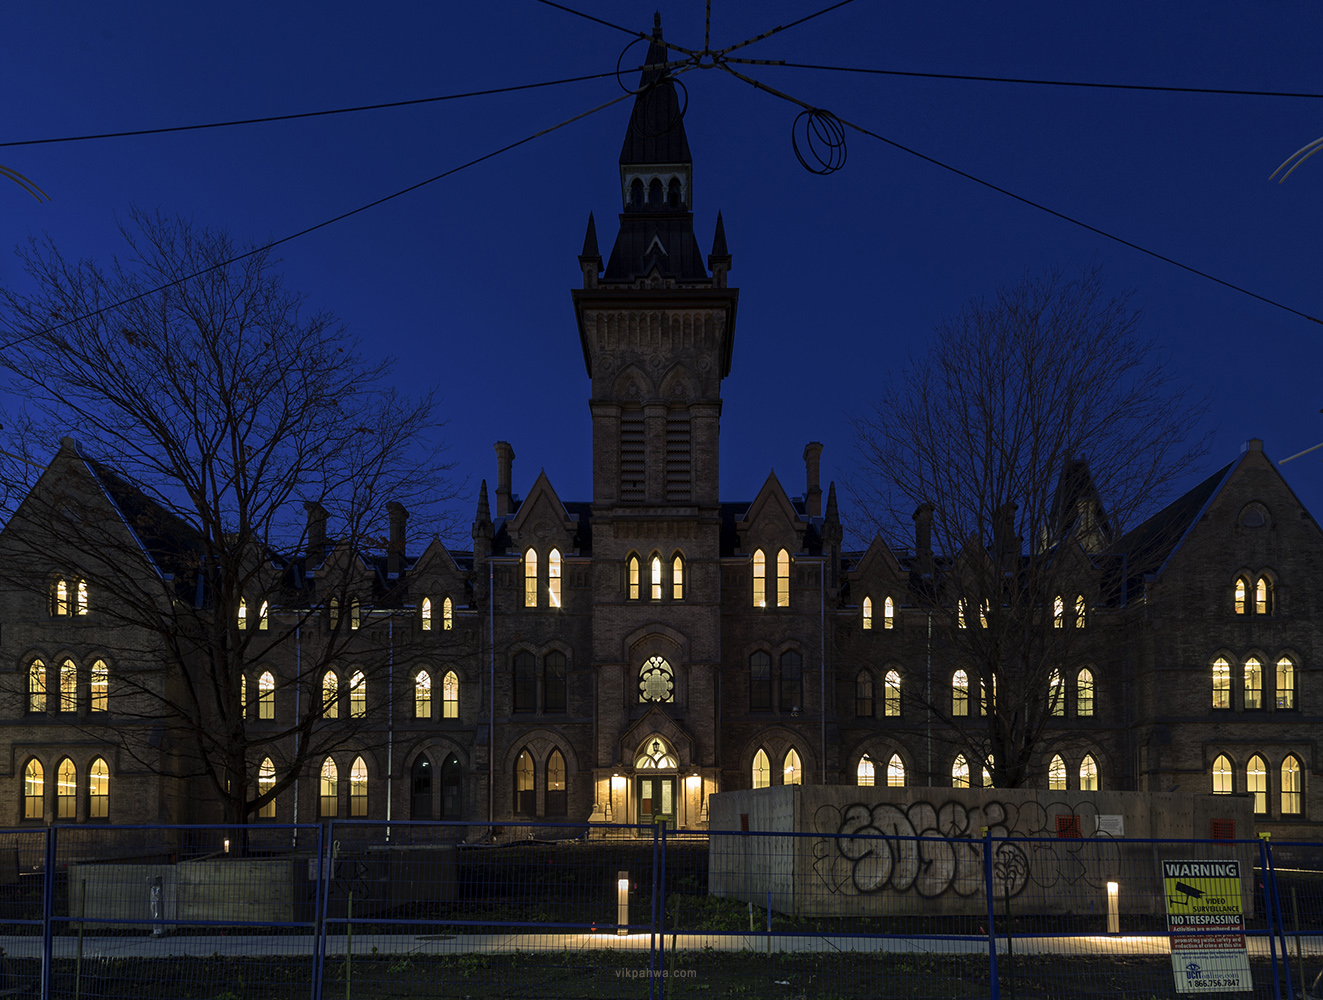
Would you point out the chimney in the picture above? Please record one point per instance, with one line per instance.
(316, 532)
(399, 519)
(923, 538)
(813, 492)
(1005, 542)
(504, 461)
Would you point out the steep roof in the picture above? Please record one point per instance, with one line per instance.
(656, 126)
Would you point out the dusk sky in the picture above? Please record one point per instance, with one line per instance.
(466, 281)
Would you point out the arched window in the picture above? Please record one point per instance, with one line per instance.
(987, 773)
(264, 616)
(329, 784)
(655, 755)
(68, 686)
(1221, 683)
(762, 770)
(358, 788)
(266, 781)
(1056, 774)
(422, 695)
(760, 682)
(863, 774)
(333, 612)
(330, 695)
(656, 681)
(791, 772)
(266, 696)
(1253, 683)
(655, 196)
(447, 614)
(1056, 693)
(1222, 776)
(1088, 774)
(634, 578)
(530, 578)
(1285, 683)
(1084, 693)
(961, 607)
(960, 772)
(792, 682)
(1058, 612)
(888, 613)
(895, 772)
(677, 579)
(636, 193)
(66, 790)
(868, 613)
(891, 706)
(357, 695)
(553, 682)
(1241, 590)
(1263, 596)
(99, 686)
(783, 579)
(420, 802)
(1291, 787)
(98, 790)
(655, 575)
(525, 682)
(80, 601)
(355, 614)
(450, 695)
(243, 614)
(1080, 610)
(525, 785)
(37, 687)
(863, 694)
(673, 193)
(452, 788)
(60, 605)
(34, 790)
(425, 614)
(960, 695)
(556, 804)
(1256, 781)
(553, 578)
(759, 579)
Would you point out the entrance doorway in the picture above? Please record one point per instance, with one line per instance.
(656, 799)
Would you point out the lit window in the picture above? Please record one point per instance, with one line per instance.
(447, 615)
(759, 579)
(656, 681)
(783, 579)
(656, 755)
(68, 686)
(330, 695)
(266, 696)
(358, 788)
(266, 782)
(960, 694)
(530, 578)
(960, 613)
(263, 615)
(1222, 776)
(1056, 774)
(34, 789)
(330, 780)
(868, 613)
(863, 694)
(987, 774)
(425, 614)
(37, 687)
(243, 614)
(61, 597)
(760, 682)
(422, 695)
(1263, 596)
(99, 687)
(655, 591)
(1285, 683)
(553, 578)
(66, 790)
(450, 695)
(1256, 781)
(1253, 683)
(355, 614)
(80, 602)
(1088, 774)
(891, 706)
(1056, 694)
(556, 804)
(357, 695)
(888, 613)
(960, 772)
(1221, 683)
(333, 612)
(1084, 693)
(677, 579)
(1240, 593)
(98, 790)
(792, 773)
(863, 774)
(983, 610)
(1058, 612)
(525, 682)
(895, 772)
(1080, 609)
(1291, 787)
(762, 770)
(633, 578)
(792, 682)
(553, 682)
(525, 785)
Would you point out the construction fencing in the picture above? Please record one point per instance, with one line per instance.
(363, 909)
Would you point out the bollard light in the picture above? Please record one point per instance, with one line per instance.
(1113, 908)
(622, 901)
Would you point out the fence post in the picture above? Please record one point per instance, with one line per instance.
(661, 911)
(652, 918)
(1281, 921)
(993, 981)
(47, 914)
(1268, 913)
(319, 913)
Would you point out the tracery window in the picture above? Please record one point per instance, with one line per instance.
(1084, 693)
(329, 785)
(633, 578)
(1285, 689)
(895, 772)
(99, 686)
(759, 579)
(61, 602)
(37, 686)
(98, 790)
(762, 770)
(868, 613)
(1088, 774)
(1253, 683)
(422, 695)
(525, 785)
(677, 579)
(783, 579)
(960, 694)
(358, 788)
(1263, 596)
(66, 790)
(553, 578)
(655, 566)
(556, 804)
(863, 694)
(34, 789)
(792, 773)
(1056, 693)
(888, 613)
(530, 578)
(1080, 609)
(760, 682)
(656, 681)
(243, 614)
(960, 772)
(450, 695)
(553, 682)
(68, 686)
(1256, 781)
(447, 614)
(1221, 683)
(266, 781)
(863, 774)
(655, 755)
(1056, 774)
(1239, 594)
(1291, 787)
(891, 705)
(1058, 612)
(266, 696)
(425, 614)
(330, 695)
(357, 695)
(1222, 782)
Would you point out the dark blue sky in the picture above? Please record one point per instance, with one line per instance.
(467, 281)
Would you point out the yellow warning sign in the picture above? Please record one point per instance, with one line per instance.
(1206, 924)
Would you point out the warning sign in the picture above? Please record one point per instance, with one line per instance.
(1207, 926)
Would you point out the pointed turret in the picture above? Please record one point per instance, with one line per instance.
(719, 259)
(590, 258)
(482, 543)
(832, 535)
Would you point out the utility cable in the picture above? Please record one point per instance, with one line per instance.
(781, 27)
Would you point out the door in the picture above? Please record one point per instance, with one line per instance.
(656, 799)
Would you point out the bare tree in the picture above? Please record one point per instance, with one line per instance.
(1039, 427)
(207, 404)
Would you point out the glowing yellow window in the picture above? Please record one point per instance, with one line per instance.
(1080, 609)
(34, 789)
(450, 695)
(99, 687)
(868, 613)
(633, 578)
(783, 579)
(792, 773)
(759, 579)
(66, 790)
(266, 696)
(960, 772)
(1291, 787)
(1285, 690)
(1222, 776)
(1058, 612)
(266, 782)
(960, 613)
(37, 687)
(530, 578)
(422, 695)
(425, 614)
(864, 772)
(983, 609)
(358, 788)
(1084, 693)
(1240, 594)
(68, 686)
(1262, 596)
(677, 579)
(80, 601)
(447, 615)
(61, 597)
(656, 589)
(243, 614)
(960, 694)
(357, 695)
(1056, 774)
(1056, 694)
(1221, 683)
(98, 790)
(895, 772)
(762, 770)
(553, 578)
(1088, 774)
(263, 615)
(1256, 781)
(329, 783)
(1253, 683)
(891, 706)
(330, 695)
(355, 614)
(888, 613)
